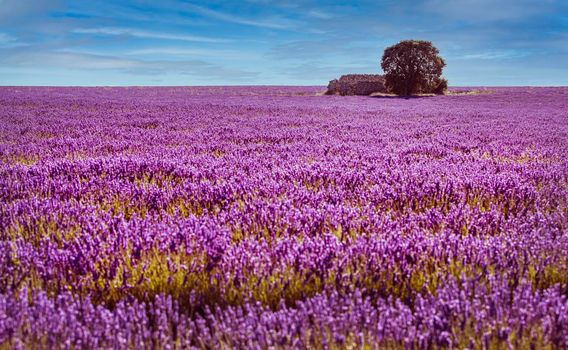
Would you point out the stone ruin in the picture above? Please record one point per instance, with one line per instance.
(356, 84)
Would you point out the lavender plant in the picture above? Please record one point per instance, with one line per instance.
(270, 217)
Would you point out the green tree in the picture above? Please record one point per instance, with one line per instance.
(413, 66)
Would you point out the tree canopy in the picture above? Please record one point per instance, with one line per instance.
(413, 66)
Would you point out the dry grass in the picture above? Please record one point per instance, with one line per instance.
(470, 92)
(448, 93)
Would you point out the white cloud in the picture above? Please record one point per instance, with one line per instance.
(319, 14)
(148, 34)
(272, 22)
(67, 59)
(489, 10)
(179, 51)
(80, 61)
(6, 38)
(495, 55)
(8, 41)
(15, 10)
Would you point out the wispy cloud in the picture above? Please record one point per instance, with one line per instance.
(188, 52)
(323, 50)
(6, 38)
(7, 41)
(495, 55)
(319, 14)
(489, 10)
(86, 61)
(148, 34)
(71, 60)
(271, 22)
(12, 10)
(291, 41)
(310, 70)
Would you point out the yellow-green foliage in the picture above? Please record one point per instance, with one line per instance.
(22, 159)
(178, 273)
(156, 179)
(35, 229)
(152, 274)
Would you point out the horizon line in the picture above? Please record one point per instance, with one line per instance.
(261, 85)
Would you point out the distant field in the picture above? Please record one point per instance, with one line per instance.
(274, 217)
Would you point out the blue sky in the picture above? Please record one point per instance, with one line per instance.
(168, 42)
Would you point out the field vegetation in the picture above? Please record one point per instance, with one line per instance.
(274, 217)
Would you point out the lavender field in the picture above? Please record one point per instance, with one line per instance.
(276, 218)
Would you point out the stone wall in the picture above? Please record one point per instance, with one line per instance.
(356, 84)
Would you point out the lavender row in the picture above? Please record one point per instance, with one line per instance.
(270, 200)
(461, 315)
